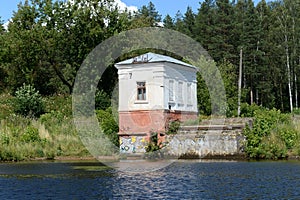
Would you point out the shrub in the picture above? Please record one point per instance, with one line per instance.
(272, 135)
(153, 148)
(108, 125)
(153, 144)
(6, 106)
(102, 100)
(173, 127)
(288, 134)
(28, 102)
(249, 110)
(273, 147)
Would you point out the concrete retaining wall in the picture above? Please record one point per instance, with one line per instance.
(205, 144)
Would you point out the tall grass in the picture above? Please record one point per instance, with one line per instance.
(296, 149)
(51, 135)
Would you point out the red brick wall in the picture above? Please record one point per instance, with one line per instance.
(150, 121)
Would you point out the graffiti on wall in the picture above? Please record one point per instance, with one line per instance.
(132, 144)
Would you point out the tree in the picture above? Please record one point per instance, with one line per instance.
(1, 26)
(204, 22)
(230, 80)
(286, 36)
(48, 41)
(189, 22)
(22, 47)
(179, 23)
(223, 26)
(147, 16)
(2, 49)
(168, 22)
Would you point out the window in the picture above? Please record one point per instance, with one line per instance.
(189, 93)
(171, 90)
(141, 91)
(180, 91)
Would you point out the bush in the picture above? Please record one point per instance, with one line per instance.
(28, 102)
(108, 125)
(153, 148)
(102, 100)
(273, 147)
(173, 127)
(249, 110)
(272, 135)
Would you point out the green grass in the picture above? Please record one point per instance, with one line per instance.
(52, 134)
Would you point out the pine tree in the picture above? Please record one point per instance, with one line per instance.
(189, 22)
(168, 22)
(148, 15)
(204, 22)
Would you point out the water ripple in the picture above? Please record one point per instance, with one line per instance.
(180, 180)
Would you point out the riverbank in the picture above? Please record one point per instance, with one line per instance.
(49, 136)
(52, 136)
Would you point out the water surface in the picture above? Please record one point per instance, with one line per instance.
(180, 180)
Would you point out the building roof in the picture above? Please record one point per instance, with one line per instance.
(153, 58)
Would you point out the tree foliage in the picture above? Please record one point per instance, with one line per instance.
(269, 35)
(28, 102)
(47, 41)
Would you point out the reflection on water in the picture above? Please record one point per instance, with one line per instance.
(180, 180)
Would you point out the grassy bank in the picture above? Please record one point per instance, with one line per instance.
(52, 134)
(274, 135)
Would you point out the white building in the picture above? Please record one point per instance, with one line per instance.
(153, 90)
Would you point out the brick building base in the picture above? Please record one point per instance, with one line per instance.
(136, 127)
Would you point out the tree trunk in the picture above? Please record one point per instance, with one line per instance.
(240, 83)
(296, 92)
(62, 78)
(288, 72)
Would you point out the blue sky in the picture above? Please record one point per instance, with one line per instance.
(163, 6)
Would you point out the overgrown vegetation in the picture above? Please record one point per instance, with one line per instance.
(153, 148)
(108, 125)
(45, 47)
(274, 135)
(47, 41)
(28, 102)
(173, 127)
(50, 135)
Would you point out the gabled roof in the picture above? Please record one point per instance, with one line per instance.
(153, 58)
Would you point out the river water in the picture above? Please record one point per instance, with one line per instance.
(180, 180)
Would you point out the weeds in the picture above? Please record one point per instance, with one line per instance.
(51, 135)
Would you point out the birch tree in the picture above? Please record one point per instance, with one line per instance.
(284, 22)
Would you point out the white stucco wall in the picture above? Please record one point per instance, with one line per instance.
(152, 74)
(181, 77)
(157, 76)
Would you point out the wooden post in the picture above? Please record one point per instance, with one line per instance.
(240, 83)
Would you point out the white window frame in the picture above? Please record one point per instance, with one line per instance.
(141, 86)
(189, 94)
(180, 92)
(171, 90)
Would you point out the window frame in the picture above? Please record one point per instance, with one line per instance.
(171, 91)
(141, 86)
(189, 94)
(180, 92)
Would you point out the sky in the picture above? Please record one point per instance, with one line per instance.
(163, 6)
